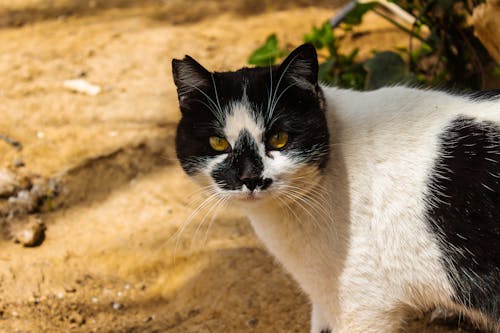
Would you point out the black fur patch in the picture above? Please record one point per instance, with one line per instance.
(242, 166)
(484, 95)
(326, 330)
(464, 211)
(291, 90)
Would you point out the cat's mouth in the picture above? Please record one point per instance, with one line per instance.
(249, 197)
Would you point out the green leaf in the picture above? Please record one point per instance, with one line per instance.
(352, 56)
(355, 16)
(266, 54)
(323, 37)
(385, 68)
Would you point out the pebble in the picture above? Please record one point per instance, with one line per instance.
(8, 183)
(69, 289)
(18, 163)
(32, 234)
(150, 318)
(94, 299)
(82, 86)
(24, 201)
(253, 322)
(117, 306)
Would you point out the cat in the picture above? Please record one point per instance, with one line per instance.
(377, 203)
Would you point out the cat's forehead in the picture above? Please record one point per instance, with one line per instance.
(254, 83)
(241, 118)
(244, 91)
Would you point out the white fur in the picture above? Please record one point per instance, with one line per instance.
(361, 248)
(240, 117)
(354, 237)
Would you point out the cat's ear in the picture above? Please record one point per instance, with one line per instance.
(301, 67)
(189, 77)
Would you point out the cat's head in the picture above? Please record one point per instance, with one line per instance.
(254, 133)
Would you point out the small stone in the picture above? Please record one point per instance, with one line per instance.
(82, 86)
(35, 300)
(94, 299)
(253, 322)
(117, 306)
(69, 289)
(81, 73)
(18, 163)
(32, 234)
(8, 183)
(150, 318)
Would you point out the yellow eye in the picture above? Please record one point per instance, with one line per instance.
(218, 143)
(278, 140)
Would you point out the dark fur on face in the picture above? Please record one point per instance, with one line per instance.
(285, 98)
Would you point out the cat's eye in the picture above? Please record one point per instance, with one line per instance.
(278, 140)
(218, 143)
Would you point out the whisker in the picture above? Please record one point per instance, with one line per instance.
(185, 224)
(214, 206)
(215, 214)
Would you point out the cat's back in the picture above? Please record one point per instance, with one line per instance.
(427, 164)
(407, 124)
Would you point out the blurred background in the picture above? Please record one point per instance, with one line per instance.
(97, 230)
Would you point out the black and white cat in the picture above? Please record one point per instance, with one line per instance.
(376, 202)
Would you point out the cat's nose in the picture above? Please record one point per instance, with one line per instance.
(249, 176)
(251, 183)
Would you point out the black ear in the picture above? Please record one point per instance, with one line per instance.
(189, 77)
(301, 67)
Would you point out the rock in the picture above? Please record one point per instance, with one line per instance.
(18, 163)
(8, 183)
(69, 289)
(149, 318)
(82, 86)
(31, 234)
(253, 322)
(23, 202)
(117, 306)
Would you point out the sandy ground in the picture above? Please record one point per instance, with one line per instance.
(100, 171)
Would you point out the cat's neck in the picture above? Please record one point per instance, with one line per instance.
(297, 231)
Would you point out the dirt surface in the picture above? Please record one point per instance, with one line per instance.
(99, 172)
